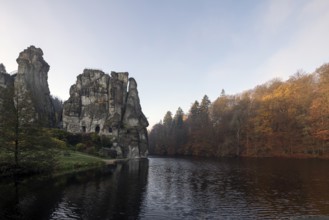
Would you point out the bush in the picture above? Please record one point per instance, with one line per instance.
(80, 147)
(40, 161)
(95, 138)
(59, 134)
(73, 139)
(91, 150)
(59, 144)
(106, 141)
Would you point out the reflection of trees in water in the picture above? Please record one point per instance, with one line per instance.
(9, 207)
(236, 188)
(106, 193)
(284, 186)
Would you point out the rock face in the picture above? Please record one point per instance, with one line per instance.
(32, 78)
(5, 78)
(5, 81)
(31, 84)
(108, 105)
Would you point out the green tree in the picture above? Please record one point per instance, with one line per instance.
(179, 131)
(168, 120)
(156, 139)
(194, 115)
(178, 118)
(204, 112)
(23, 140)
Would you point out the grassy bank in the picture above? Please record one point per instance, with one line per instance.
(71, 161)
(66, 161)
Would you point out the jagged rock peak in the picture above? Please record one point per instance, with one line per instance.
(5, 78)
(2, 68)
(32, 79)
(32, 55)
(30, 85)
(92, 73)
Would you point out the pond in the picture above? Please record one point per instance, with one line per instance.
(176, 188)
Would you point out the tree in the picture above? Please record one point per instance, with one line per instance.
(194, 115)
(168, 120)
(204, 112)
(274, 119)
(178, 118)
(221, 116)
(58, 108)
(238, 124)
(179, 131)
(222, 93)
(319, 109)
(156, 139)
(22, 137)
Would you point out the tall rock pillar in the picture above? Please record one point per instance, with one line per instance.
(32, 81)
(135, 123)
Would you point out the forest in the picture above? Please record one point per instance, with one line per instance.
(276, 119)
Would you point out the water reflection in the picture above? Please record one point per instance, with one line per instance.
(185, 188)
(109, 193)
(176, 188)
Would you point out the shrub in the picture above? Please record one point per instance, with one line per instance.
(59, 134)
(91, 150)
(74, 139)
(80, 147)
(56, 143)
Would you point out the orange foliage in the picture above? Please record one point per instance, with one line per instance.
(289, 119)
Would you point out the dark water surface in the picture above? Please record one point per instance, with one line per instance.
(176, 188)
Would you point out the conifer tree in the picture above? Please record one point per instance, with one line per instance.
(23, 139)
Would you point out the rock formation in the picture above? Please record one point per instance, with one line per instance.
(5, 78)
(5, 81)
(31, 84)
(108, 105)
(32, 78)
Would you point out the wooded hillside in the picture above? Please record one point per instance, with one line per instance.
(278, 118)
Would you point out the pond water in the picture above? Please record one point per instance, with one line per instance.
(176, 188)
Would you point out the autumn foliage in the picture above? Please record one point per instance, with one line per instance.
(277, 118)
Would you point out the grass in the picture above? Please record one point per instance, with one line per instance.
(73, 161)
(68, 161)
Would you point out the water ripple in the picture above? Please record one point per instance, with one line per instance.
(185, 188)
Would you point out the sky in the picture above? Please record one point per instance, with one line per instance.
(177, 50)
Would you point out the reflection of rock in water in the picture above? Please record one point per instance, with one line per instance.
(131, 186)
(110, 193)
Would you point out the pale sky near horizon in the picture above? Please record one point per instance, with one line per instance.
(177, 50)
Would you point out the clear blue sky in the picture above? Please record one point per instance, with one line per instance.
(177, 50)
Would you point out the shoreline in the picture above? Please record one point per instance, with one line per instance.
(300, 156)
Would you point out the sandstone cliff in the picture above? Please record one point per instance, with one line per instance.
(5, 81)
(30, 85)
(108, 105)
(5, 78)
(32, 78)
